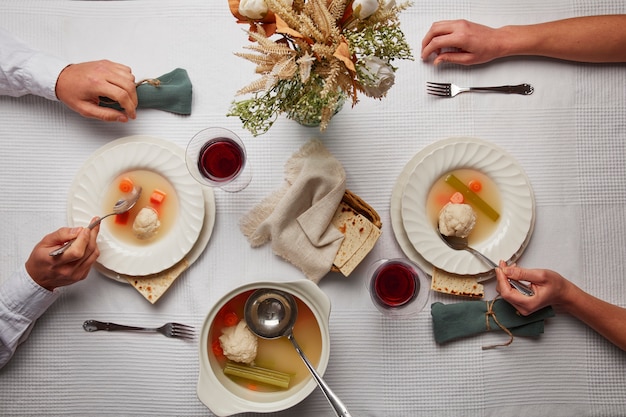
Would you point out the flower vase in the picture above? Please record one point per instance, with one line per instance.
(310, 114)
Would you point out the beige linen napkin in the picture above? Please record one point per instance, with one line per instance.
(297, 218)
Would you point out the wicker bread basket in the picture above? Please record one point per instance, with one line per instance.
(361, 207)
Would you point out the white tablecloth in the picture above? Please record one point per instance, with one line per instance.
(570, 137)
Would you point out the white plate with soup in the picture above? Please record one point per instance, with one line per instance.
(504, 187)
(150, 163)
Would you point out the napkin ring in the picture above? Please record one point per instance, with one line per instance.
(491, 314)
(155, 82)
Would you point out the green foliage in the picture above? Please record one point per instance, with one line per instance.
(301, 102)
(259, 113)
(386, 42)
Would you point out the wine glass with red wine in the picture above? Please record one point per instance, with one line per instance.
(217, 157)
(398, 287)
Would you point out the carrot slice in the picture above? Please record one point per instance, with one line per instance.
(157, 196)
(475, 185)
(457, 198)
(230, 319)
(122, 218)
(126, 185)
(216, 347)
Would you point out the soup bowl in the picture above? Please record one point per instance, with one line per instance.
(223, 395)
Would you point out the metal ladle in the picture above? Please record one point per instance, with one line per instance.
(460, 243)
(271, 314)
(121, 206)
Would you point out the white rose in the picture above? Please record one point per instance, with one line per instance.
(377, 76)
(253, 9)
(364, 8)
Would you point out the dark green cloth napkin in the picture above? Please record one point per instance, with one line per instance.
(468, 318)
(173, 94)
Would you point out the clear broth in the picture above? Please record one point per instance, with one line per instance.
(277, 354)
(440, 193)
(149, 181)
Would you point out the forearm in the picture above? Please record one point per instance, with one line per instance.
(607, 319)
(585, 39)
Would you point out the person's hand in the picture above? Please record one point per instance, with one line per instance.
(80, 87)
(550, 287)
(72, 266)
(460, 42)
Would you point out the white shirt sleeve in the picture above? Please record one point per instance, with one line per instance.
(24, 70)
(22, 302)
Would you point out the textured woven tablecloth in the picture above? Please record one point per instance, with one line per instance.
(570, 137)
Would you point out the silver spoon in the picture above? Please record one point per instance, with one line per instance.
(271, 314)
(121, 206)
(460, 243)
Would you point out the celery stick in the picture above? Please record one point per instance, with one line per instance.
(471, 196)
(255, 373)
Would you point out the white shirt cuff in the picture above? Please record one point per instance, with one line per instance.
(47, 69)
(25, 297)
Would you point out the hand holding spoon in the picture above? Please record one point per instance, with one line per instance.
(460, 243)
(121, 206)
(271, 314)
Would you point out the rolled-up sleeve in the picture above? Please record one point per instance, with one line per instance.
(22, 302)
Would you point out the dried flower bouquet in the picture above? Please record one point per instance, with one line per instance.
(313, 54)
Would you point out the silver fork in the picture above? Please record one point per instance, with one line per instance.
(451, 90)
(460, 243)
(174, 330)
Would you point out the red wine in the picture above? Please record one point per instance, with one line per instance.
(395, 284)
(221, 159)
